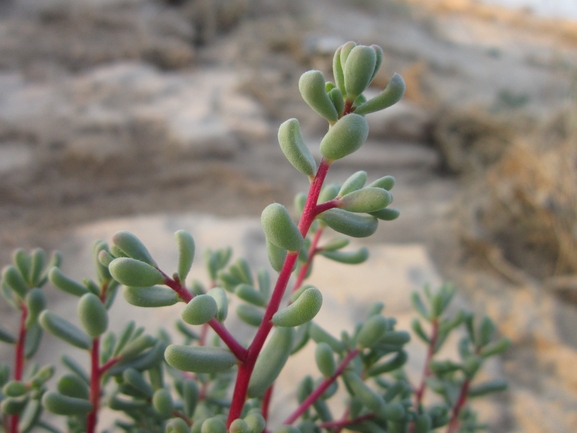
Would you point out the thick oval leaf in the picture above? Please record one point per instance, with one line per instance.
(355, 182)
(345, 137)
(219, 296)
(358, 70)
(93, 315)
(372, 331)
(36, 303)
(199, 310)
(351, 224)
(303, 310)
(280, 229)
(199, 359)
(368, 199)
(66, 284)
(325, 359)
(270, 361)
(392, 94)
(71, 385)
(13, 279)
(313, 91)
(132, 247)
(186, 249)
(348, 257)
(64, 330)
(150, 297)
(132, 272)
(294, 148)
(63, 405)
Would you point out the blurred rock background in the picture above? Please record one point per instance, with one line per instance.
(124, 108)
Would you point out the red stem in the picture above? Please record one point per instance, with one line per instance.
(95, 375)
(266, 402)
(426, 369)
(235, 347)
(321, 388)
(105, 367)
(245, 369)
(345, 422)
(454, 423)
(19, 360)
(311, 253)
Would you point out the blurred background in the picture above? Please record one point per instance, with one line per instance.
(121, 108)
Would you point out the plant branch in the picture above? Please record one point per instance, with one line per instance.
(235, 347)
(346, 422)
(95, 375)
(19, 360)
(419, 394)
(246, 368)
(321, 388)
(313, 250)
(266, 402)
(459, 404)
(331, 204)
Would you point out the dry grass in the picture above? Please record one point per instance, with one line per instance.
(520, 211)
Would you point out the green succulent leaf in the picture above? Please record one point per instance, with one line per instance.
(6, 336)
(135, 273)
(250, 314)
(349, 223)
(66, 284)
(348, 257)
(36, 303)
(162, 402)
(294, 148)
(150, 297)
(64, 405)
(496, 385)
(372, 331)
(313, 91)
(13, 279)
(392, 94)
(371, 399)
(270, 361)
(199, 310)
(199, 359)
(186, 249)
(325, 359)
(280, 228)
(71, 385)
(355, 182)
(346, 136)
(303, 310)
(64, 330)
(132, 247)
(37, 263)
(358, 70)
(93, 315)
(387, 214)
(368, 199)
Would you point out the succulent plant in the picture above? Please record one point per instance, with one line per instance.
(213, 386)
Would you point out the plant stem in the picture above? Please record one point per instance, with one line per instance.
(321, 388)
(313, 250)
(345, 422)
(459, 404)
(245, 369)
(19, 360)
(95, 375)
(419, 394)
(235, 347)
(266, 402)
